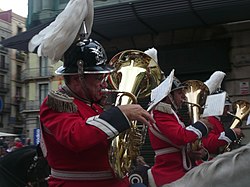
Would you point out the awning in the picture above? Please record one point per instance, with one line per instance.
(7, 134)
(139, 17)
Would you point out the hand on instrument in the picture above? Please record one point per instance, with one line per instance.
(200, 154)
(238, 132)
(136, 112)
(207, 123)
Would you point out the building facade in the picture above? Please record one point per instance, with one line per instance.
(12, 63)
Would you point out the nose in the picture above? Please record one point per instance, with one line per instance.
(183, 96)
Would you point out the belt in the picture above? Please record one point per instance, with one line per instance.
(81, 175)
(166, 151)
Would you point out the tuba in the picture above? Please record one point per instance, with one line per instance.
(241, 109)
(135, 76)
(196, 93)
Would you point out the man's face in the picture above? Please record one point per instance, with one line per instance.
(226, 110)
(179, 97)
(92, 85)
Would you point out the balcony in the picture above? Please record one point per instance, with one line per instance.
(4, 67)
(4, 87)
(16, 121)
(37, 73)
(3, 49)
(30, 106)
(20, 56)
(6, 108)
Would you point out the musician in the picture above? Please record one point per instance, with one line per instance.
(76, 131)
(170, 139)
(220, 136)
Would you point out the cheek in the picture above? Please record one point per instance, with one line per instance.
(180, 98)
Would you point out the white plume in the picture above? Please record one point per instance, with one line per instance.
(215, 80)
(152, 52)
(55, 39)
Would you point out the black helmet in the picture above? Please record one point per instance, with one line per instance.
(176, 84)
(84, 57)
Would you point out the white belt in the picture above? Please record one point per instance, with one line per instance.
(166, 151)
(81, 175)
(185, 159)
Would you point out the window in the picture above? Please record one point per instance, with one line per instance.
(43, 63)
(1, 81)
(18, 94)
(20, 55)
(27, 87)
(18, 72)
(2, 48)
(2, 61)
(43, 92)
(19, 30)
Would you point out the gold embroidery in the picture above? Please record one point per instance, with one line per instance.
(61, 102)
(164, 107)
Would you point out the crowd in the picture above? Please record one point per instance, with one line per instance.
(9, 144)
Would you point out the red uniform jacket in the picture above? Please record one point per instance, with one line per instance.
(218, 137)
(77, 143)
(169, 167)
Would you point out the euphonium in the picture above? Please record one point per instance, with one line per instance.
(135, 76)
(241, 109)
(196, 93)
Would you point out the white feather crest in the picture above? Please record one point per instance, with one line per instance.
(215, 80)
(55, 39)
(152, 52)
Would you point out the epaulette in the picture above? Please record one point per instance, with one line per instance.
(61, 102)
(164, 107)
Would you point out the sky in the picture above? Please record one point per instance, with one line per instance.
(19, 7)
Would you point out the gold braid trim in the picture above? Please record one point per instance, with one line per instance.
(164, 107)
(61, 102)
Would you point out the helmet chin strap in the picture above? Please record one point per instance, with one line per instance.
(172, 101)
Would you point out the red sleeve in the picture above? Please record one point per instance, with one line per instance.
(175, 132)
(212, 142)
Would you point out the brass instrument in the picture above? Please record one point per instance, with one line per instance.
(241, 109)
(135, 76)
(196, 93)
